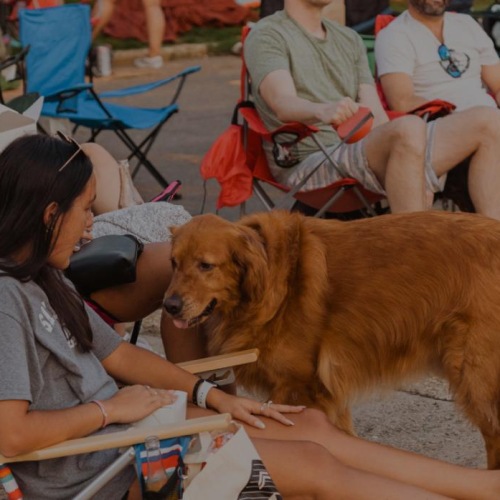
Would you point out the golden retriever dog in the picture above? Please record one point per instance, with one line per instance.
(338, 309)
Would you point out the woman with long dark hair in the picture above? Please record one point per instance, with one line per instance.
(59, 363)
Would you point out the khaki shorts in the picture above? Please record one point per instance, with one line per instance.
(350, 161)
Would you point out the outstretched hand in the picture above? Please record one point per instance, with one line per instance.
(245, 409)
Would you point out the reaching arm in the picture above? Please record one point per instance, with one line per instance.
(278, 91)
(134, 365)
(399, 92)
(491, 78)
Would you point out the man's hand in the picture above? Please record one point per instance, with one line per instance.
(337, 113)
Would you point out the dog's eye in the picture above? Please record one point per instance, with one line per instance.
(205, 266)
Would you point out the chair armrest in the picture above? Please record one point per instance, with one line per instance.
(15, 59)
(356, 127)
(221, 361)
(123, 438)
(70, 91)
(147, 87)
(433, 109)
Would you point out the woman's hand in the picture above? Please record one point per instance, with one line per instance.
(245, 409)
(134, 402)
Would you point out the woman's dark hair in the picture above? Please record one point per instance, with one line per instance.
(29, 181)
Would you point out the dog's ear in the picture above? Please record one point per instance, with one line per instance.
(249, 254)
(256, 285)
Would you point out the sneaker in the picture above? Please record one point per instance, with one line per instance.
(149, 62)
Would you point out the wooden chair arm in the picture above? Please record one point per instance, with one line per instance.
(124, 438)
(219, 362)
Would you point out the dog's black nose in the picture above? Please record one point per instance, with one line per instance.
(173, 304)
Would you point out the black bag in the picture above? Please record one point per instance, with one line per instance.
(103, 262)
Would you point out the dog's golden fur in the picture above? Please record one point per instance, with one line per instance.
(341, 308)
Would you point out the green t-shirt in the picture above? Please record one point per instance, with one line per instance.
(323, 70)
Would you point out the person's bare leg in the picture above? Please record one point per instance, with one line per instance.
(303, 469)
(439, 477)
(108, 183)
(134, 301)
(395, 152)
(476, 132)
(315, 473)
(155, 25)
(103, 11)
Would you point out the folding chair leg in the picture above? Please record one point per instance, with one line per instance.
(144, 148)
(135, 332)
(330, 202)
(243, 209)
(361, 196)
(109, 473)
(135, 151)
(263, 196)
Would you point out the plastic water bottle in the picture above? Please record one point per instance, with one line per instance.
(156, 475)
(103, 60)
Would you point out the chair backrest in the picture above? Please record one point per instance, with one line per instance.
(59, 40)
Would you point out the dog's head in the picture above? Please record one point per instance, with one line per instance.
(218, 266)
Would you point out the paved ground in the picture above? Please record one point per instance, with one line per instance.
(421, 418)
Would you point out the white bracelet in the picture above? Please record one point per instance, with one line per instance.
(202, 392)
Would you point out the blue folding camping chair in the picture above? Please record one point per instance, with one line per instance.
(60, 39)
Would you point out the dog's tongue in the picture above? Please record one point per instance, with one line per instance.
(181, 323)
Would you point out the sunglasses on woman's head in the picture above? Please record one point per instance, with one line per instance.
(69, 140)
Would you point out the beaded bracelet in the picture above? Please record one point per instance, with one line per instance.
(103, 411)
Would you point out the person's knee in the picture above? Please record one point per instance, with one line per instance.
(410, 135)
(93, 149)
(315, 425)
(485, 124)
